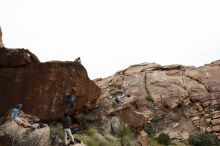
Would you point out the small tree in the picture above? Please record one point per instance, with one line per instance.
(164, 139)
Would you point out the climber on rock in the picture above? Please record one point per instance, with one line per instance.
(117, 100)
(70, 99)
(20, 121)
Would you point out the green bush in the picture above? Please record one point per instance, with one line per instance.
(150, 129)
(203, 139)
(114, 88)
(164, 139)
(127, 137)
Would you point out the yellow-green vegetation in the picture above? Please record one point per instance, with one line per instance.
(154, 142)
(114, 88)
(127, 137)
(151, 128)
(56, 129)
(93, 138)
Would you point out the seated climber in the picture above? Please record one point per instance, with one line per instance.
(15, 117)
(66, 121)
(77, 60)
(70, 99)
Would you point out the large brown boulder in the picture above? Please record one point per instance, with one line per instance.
(16, 57)
(40, 87)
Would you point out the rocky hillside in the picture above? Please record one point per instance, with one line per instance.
(178, 99)
(41, 87)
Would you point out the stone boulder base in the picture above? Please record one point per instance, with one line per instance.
(13, 134)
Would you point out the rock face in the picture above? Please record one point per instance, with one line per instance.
(13, 134)
(1, 43)
(179, 99)
(41, 87)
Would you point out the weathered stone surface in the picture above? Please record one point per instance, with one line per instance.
(215, 116)
(208, 129)
(25, 136)
(134, 85)
(142, 138)
(166, 89)
(141, 68)
(209, 76)
(16, 57)
(116, 126)
(40, 87)
(132, 118)
(216, 128)
(6, 140)
(1, 43)
(190, 91)
(216, 121)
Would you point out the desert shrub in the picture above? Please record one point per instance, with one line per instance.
(113, 141)
(149, 98)
(150, 129)
(203, 139)
(114, 88)
(154, 142)
(93, 138)
(127, 137)
(164, 139)
(56, 129)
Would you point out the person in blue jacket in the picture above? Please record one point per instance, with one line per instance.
(15, 117)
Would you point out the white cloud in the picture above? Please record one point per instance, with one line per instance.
(111, 35)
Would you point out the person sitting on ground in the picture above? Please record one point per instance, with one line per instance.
(20, 121)
(66, 121)
(70, 99)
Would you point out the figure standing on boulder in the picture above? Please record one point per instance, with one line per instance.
(15, 117)
(66, 121)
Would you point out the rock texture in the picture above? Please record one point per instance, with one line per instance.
(13, 134)
(1, 43)
(179, 99)
(41, 87)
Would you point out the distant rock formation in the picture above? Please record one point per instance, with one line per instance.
(1, 43)
(180, 99)
(41, 87)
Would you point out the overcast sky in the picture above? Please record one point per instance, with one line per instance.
(110, 35)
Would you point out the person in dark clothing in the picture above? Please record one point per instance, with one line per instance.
(70, 99)
(66, 121)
